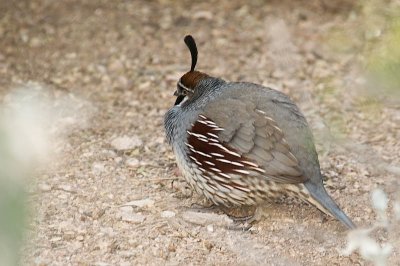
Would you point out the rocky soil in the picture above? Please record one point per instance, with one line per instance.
(113, 196)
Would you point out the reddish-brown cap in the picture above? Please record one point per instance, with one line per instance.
(191, 79)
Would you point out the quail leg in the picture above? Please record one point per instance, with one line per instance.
(243, 223)
(203, 208)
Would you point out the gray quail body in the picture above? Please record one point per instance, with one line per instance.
(241, 144)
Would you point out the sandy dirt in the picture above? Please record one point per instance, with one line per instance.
(113, 195)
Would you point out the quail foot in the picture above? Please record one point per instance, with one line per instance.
(242, 144)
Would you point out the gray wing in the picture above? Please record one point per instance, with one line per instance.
(256, 136)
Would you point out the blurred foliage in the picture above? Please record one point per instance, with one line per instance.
(379, 57)
(365, 240)
(373, 36)
(369, 44)
(383, 57)
(12, 204)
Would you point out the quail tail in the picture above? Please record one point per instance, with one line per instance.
(321, 199)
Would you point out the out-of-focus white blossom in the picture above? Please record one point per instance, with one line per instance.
(380, 203)
(368, 248)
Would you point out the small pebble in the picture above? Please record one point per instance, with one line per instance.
(126, 143)
(67, 188)
(98, 168)
(133, 217)
(140, 203)
(132, 162)
(200, 218)
(167, 214)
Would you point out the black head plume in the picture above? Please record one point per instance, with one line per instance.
(191, 44)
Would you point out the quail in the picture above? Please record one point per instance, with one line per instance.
(241, 144)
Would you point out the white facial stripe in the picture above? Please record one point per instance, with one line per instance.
(183, 86)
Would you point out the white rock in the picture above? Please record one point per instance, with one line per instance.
(393, 169)
(126, 209)
(132, 162)
(210, 228)
(76, 245)
(133, 217)
(118, 159)
(140, 203)
(109, 153)
(126, 214)
(167, 214)
(55, 239)
(67, 188)
(108, 231)
(203, 14)
(98, 168)
(126, 143)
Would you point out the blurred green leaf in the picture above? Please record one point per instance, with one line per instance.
(383, 59)
(12, 205)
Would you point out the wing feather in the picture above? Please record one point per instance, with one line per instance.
(257, 138)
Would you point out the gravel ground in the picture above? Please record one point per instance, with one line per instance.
(113, 195)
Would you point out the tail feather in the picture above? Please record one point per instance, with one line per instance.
(321, 199)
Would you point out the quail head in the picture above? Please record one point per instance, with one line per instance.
(241, 144)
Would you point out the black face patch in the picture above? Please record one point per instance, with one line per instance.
(179, 99)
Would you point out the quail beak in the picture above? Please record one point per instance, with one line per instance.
(176, 93)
